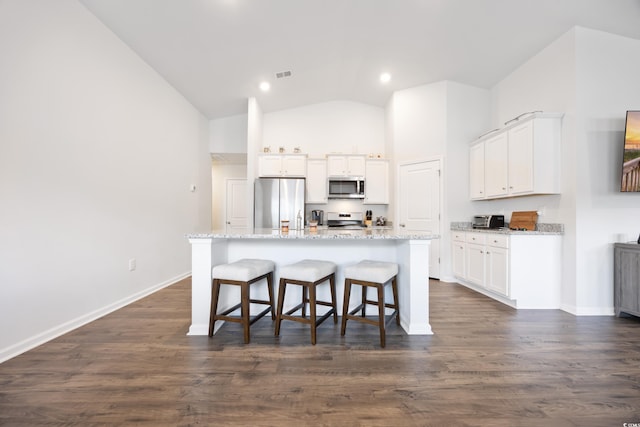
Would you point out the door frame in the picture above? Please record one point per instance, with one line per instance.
(440, 160)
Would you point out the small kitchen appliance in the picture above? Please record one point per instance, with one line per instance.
(488, 221)
(317, 215)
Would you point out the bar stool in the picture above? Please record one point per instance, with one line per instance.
(241, 273)
(308, 274)
(371, 274)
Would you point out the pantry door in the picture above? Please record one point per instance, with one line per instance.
(236, 212)
(419, 190)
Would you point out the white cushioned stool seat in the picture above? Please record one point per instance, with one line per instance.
(308, 270)
(371, 271)
(243, 270)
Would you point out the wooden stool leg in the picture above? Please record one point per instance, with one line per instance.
(380, 288)
(305, 300)
(281, 290)
(364, 300)
(244, 300)
(215, 293)
(345, 305)
(332, 284)
(394, 288)
(312, 309)
(271, 301)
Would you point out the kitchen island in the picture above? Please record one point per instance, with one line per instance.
(410, 249)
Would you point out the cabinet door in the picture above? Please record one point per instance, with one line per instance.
(336, 166)
(376, 184)
(458, 259)
(495, 165)
(316, 181)
(476, 171)
(476, 264)
(520, 154)
(346, 166)
(498, 270)
(356, 165)
(294, 166)
(270, 165)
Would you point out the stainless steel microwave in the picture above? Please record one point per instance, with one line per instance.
(346, 188)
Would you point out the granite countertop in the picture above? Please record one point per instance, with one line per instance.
(321, 234)
(541, 229)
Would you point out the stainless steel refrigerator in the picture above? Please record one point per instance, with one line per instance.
(277, 199)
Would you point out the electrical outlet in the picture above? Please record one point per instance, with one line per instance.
(132, 264)
(541, 211)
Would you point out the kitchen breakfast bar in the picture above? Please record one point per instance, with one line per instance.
(409, 249)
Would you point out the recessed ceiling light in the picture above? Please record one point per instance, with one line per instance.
(385, 77)
(265, 86)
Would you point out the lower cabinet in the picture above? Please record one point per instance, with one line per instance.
(626, 278)
(488, 261)
(523, 271)
(459, 254)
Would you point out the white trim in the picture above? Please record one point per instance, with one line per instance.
(48, 335)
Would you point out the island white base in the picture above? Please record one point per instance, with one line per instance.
(411, 255)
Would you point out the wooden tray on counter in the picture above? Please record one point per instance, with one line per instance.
(526, 220)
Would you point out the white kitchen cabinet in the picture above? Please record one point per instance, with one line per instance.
(476, 258)
(458, 255)
(521, 159)
(496, 165)
(287, 165)
(476, 171)
(317, 181)
(476, 264)
(497, 264)
(376, 182)
(521, 270)
(346, 165)
(488, 261)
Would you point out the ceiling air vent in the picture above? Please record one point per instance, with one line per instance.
(283, 74)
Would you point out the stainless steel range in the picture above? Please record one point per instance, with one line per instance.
(345, 220)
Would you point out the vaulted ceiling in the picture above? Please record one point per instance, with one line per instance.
(216, 52)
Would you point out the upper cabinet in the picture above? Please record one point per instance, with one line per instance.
(290, 165)
(376, 182)
(316, 181)
(519, 160)
(346, 165)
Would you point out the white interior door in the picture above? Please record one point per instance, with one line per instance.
(419, 204)
(236, 212)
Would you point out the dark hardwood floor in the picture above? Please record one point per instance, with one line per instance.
(486, 365)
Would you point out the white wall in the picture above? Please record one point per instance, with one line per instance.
(608, 85)
(97, 153)
(328, 127)
(440, 120)
(228, 134)
(420, 122)
(591, 76)
(546, 82)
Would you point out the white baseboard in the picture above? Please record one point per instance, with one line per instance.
(41, 338)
